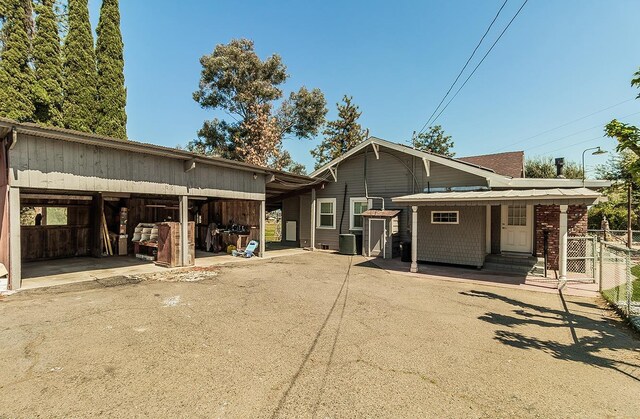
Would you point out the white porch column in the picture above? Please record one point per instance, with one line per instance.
(15, 258)
(263, 226)
(313, 219)
(562, 262)
(488, 230)
(184, 231)
(414, 239)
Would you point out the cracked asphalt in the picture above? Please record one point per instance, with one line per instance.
(313, 335)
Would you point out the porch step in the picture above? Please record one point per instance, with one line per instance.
(520, 264)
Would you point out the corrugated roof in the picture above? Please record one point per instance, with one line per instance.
(499, 195)
(380, 213)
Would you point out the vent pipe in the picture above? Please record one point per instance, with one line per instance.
(560, 167)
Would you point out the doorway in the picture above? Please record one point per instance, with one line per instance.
(516, 228)
(377, 237)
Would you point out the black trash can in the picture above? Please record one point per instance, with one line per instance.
(405, 249)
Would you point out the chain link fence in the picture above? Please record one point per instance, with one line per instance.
(619, 282)
(581, 258)
(617, 236)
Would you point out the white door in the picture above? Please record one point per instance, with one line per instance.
(517, 228)
(377, 233)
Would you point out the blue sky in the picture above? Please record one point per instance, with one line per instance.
(559, 61)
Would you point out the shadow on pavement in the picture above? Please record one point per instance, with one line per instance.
(598, 335)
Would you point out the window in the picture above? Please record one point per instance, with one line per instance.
(444, 217)
(56, 216)
(326, 213)
(43, 216)
(517, 215)
(358, 206)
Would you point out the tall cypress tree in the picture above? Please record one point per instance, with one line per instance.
(80, 75)
(112, 94)
(16, 76)
(48, 66)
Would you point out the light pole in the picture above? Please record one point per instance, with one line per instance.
(598, 151)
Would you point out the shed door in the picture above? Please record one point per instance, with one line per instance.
(377, 233)
(517, 228)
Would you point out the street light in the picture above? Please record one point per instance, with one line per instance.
(598, 151)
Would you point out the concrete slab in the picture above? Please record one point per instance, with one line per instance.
(498, 279)
(73, 270)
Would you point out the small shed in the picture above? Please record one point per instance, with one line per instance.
(380, 236)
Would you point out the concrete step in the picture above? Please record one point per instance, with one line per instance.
(525, 265)
(512, 260)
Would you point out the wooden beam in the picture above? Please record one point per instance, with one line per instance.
(376, 149)
(427, 166)
(52, 196)
(334, 173)
(189, 165)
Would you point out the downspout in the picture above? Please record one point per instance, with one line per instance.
(366, 188)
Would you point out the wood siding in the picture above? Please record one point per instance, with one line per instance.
(460, 244)
(394, 174)
(45, 163)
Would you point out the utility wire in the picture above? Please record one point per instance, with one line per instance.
(465, 66)
(576, 133)
(563, 125)
(481, 61)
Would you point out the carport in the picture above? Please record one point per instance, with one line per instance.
(62, 191)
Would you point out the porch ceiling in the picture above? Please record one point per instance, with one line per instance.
(495, 197)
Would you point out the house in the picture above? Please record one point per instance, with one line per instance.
(79, 184)
(453, 211)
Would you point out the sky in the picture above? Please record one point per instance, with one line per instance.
(560, 72)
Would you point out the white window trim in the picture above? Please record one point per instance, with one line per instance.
(443, 222)
(351, 214)
(319, 203)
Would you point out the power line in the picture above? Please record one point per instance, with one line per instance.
(576, 133)
(481, 61)
(563, 125)
(465, 65)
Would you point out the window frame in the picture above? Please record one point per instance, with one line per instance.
(352, 202)
(457, 213)
(319, 214)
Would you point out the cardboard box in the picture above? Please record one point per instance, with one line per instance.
(122, 246)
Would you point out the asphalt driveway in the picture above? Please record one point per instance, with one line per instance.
(314, 335)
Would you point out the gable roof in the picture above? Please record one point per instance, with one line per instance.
(494, 180)
(436, 158)
(509, 164)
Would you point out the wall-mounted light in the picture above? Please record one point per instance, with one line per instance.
(255, 176)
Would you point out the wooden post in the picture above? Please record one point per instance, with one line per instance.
(313, 219)
(563, 242)
(97, 210)
(629, 211)
(263, 227)
(15, 258)
(414, 239)
(488, 230)
(184, 231)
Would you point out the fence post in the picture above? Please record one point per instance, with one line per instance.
(594, 253)
(600, 265)
(629, 282)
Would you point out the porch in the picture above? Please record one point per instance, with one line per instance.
(467, 275)
(489, 228)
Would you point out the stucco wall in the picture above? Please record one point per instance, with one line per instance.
(461, 244)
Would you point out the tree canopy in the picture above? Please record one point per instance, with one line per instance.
(16, 75)
(435, 141)
(80, 75)
(341, 135)
(628, 135)
(545, 168)
(112, 94)
(47, 61)
(236, 81)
